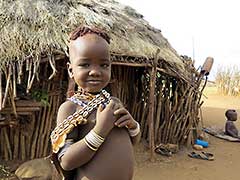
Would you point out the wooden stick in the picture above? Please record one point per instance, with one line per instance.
(29, 75)
(157, 124)
(152, 106)
(46, 124)
(4, 148)
(21, 109)
(31, 131)
(49, 123)
(1, 144)
(42, 126)
(8, 75)
(35, 136)
(35, 68)
(22, 147)
(16, 144)
(52, 63)
(27, 64)
(14, 81)
(1, 92)
(8, 146)
(20, 73)
(13, 105)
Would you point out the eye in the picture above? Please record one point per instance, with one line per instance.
(84, 65)
(105, 65)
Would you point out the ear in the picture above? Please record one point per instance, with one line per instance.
(69, 67)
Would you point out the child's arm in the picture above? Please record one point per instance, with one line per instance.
(126, 120)
(79, 153)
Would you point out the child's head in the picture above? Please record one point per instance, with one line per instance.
(231, 115)
(90, 64)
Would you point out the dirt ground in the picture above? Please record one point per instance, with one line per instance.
(181, 167)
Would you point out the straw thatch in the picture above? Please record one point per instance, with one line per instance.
(33, 27)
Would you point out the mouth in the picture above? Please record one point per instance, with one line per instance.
(94, 81)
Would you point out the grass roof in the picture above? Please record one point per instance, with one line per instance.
(35, 27)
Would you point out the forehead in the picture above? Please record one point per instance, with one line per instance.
(87, 40)
(88, 46)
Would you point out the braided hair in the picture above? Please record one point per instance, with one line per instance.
(83, 30)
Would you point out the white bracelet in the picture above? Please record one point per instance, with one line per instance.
(94, 139)
(134, 132)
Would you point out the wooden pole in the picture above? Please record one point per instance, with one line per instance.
(8, 75)
(152, 106)
(14, 81)
(1, 92)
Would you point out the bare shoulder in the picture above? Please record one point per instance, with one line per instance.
(66, 109)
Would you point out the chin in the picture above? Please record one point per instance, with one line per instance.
(93, 90)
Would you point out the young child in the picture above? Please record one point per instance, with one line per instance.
(230, 128)
(94, 133)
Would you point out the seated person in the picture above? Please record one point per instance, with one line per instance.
(230, 128)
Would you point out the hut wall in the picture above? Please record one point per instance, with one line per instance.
(175, 117)
(27, 135)
(176, 103)
(131, 86)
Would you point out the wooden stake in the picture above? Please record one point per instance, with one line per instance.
(8, 75)
(152, 106)
(8, 146)
(1, 93)
(14, 81)
(16, 144)
(22, 147)
(35, 135)
(20, 73)
(29, 75)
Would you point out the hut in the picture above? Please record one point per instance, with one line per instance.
(159, 87)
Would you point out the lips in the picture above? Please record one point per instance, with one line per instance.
(94, 81)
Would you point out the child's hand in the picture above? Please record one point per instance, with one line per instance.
(105, 119)
(124, 119)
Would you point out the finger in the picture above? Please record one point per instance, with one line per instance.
(110, 105)
(124, 123)
(121, 119)
(120, 111)
(100, 108)
(116, 107)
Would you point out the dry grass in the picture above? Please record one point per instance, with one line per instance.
(40, 27)
(228, 80)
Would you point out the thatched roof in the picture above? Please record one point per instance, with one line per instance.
(35, 27)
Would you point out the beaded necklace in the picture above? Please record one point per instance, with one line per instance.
(59, 134)
(77, 101)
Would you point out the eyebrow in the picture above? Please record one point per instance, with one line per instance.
(87, 59)
(106, 60)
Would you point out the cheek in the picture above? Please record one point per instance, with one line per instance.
(79, 76)
(108, 75)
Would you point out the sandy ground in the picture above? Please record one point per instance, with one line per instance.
(181, 167)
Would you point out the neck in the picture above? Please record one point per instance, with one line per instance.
(82, 91)
(94, 93)
(85, 95)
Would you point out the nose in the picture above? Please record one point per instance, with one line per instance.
(94, 71)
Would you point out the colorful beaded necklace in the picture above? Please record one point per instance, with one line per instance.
(59, 134)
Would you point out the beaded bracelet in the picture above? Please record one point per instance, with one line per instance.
(134, 132)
